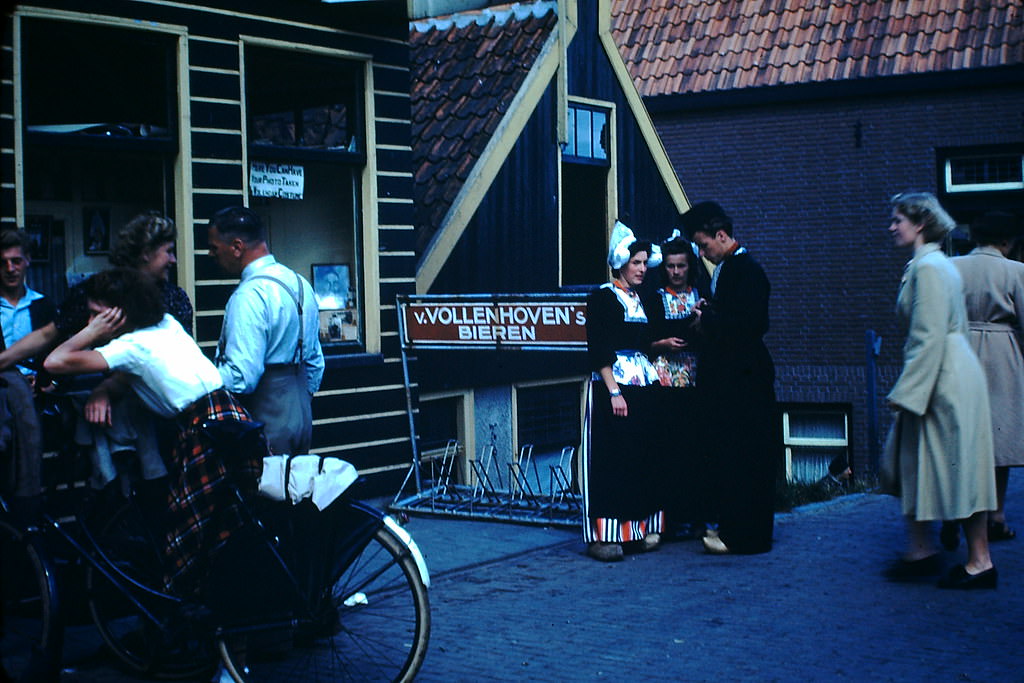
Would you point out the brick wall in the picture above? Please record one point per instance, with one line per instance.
(807, 184)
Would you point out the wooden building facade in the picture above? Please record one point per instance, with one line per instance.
(529, 141)
(298, 109)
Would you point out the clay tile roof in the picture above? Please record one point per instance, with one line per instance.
(676, 46)
(466, 69)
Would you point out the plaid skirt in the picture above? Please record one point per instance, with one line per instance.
(203, 511)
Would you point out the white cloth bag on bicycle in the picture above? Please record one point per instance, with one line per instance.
(297, 477)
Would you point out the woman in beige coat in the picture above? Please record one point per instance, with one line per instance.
(994, 286)
(941, 445)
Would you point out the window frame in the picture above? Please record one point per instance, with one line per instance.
(363, 163)
(611, 185)
(791, 442)
(176, 147)
(953, 188)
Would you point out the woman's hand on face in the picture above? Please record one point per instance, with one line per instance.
(107, 324)
(619, 407)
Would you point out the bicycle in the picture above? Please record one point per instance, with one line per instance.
(352, 605)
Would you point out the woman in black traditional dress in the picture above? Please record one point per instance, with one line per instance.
(621, 503)
(672, 314)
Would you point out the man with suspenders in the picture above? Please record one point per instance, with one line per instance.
(269, 351)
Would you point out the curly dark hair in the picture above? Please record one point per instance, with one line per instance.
(145, 232)
(680, 245)
(134, 292)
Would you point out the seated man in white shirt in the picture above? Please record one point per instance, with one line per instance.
(269, 351)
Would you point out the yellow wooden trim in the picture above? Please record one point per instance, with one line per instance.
(361, 390)
(214, 191)
(301, 47)
(217, 100)
(214, 69)
(370, 216)
(636, 105)
(92, 18)
(361, 445)
(562, 80)
(183, 178)
(489, 164)
(268, 19)
(211, 39)
(221, 281)
(384, 468)
(358, 418)
(392, 67)
(218, 131)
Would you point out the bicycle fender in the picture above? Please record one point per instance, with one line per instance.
(414, 550)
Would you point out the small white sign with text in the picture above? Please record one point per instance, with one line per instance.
(283, 181)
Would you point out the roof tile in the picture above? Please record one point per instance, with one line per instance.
(466, 69)
(673, 46)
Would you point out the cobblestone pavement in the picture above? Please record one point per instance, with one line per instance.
(515, 603)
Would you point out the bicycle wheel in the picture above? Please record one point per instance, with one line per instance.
(30, 627)
(371, 624)
(165, 644)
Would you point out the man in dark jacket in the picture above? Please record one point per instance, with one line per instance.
(737, 380)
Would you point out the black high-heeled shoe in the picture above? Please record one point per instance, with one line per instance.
(959, 579)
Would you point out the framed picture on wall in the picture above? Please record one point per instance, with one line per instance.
(96, 230)
(332, 286)
(339, 326)
(39, 230)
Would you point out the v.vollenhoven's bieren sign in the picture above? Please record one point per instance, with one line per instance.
(283, 181)
(526, 322)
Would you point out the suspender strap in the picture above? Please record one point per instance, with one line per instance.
(298, 305)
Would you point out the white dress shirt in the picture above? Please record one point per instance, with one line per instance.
(261, 327)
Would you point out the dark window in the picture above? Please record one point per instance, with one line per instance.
(584, 217)
(302, 101)
(549, 416)
(981, 173)
(305, 133)
(438, 422)
(98, 110)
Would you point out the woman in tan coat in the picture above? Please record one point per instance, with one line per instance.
(940, 448)
(994, 287)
